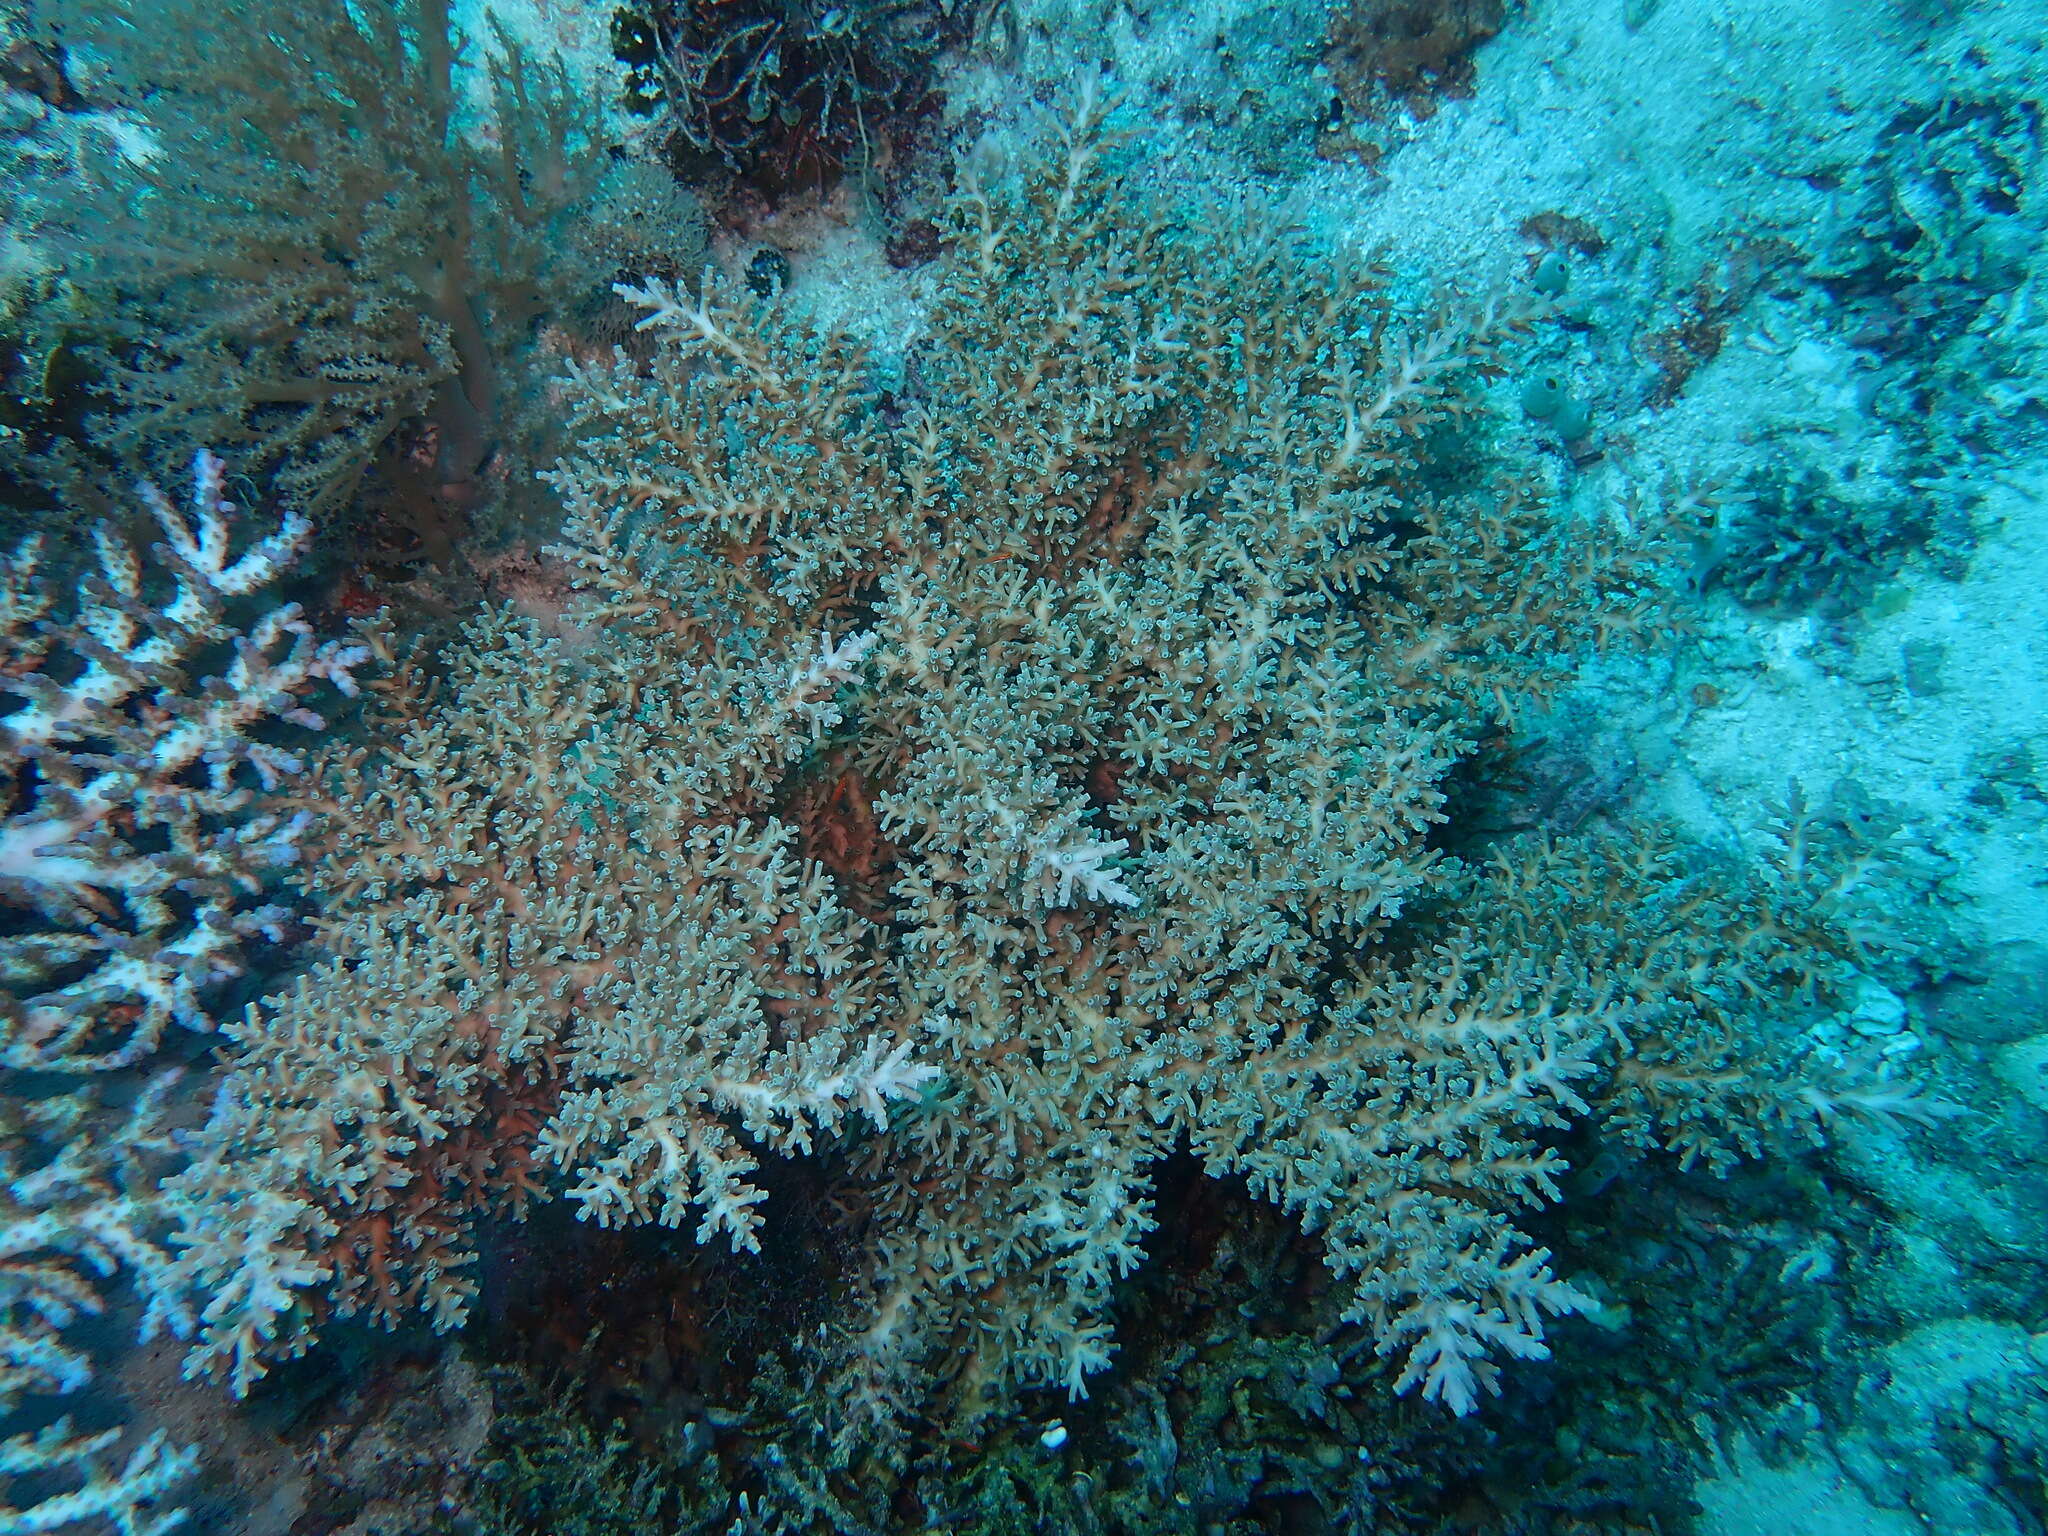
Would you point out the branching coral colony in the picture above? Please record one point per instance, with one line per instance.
(1016, 774)
(133, 863)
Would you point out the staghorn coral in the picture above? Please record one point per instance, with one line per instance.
(135, 840)
(77, 1205)
(133, 863)
(1108, 675)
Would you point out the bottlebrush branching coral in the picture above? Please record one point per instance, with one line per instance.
(569, 953)
(135, 858)
(1039, 753)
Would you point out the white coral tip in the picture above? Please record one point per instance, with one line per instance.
(1082, 863)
